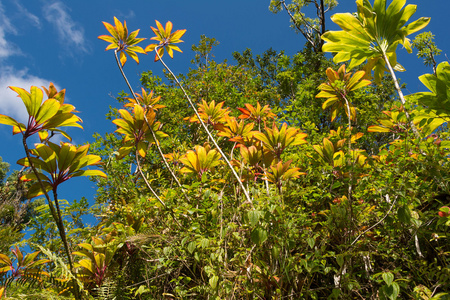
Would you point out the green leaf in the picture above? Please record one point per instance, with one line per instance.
(404, 215)
(213, 281)
(89, 173)
(30, 257)
(311, 241)
(88, 265)
(48, 109)
(258, 236)
(204, 243)
(191, 247)
(392, 291)
(36, 96)
(35, 190)
(340, 260)
(388, 277)
(9, 121)
(5, 260)
(253, 217)
(5, 269)
(376, 128)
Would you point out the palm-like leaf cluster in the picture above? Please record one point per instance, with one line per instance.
(373, 34)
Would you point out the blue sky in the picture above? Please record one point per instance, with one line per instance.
(46, 41)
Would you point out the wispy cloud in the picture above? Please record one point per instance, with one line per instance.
(6, 48)
(10, 104)
(70, 33)
(24, 13)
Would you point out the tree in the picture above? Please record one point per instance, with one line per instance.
(427, 49)
(311, 28)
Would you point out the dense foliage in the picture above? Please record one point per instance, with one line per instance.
(273, 178)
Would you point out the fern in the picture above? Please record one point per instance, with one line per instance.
(61, 277)
(106, 290)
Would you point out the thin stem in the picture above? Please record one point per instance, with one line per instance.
(56, 214)
(204, 127)
(62, 232)
(150, 127)
(49, 201)
(400, 95)
(151, 189)
(350, 185)
(376, 224)
(138, 164)
(266, 182)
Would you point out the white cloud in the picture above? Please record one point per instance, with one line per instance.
(10, 104)
(70, 33)
(26, 14)
(6, 48)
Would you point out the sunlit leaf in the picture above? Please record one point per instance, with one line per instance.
(276, 140)
(374, 32)
(200, 160)
(122, 42)
(166, 39)
(61, 162)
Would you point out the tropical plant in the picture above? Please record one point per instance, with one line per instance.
(337, 90)
(22, 268)
(373, 35)
(166, 39)
(437, 99)
(200, 160)
(280, 174)
(95, 265)
(277, 140)
(136, 130)
(121, 41)
(43, 116)
(61, 162)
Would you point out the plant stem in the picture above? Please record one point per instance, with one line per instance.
(56, 214)
(146, 181)
(350, 185)
(400, 95)
(376, 224)
(206, 128)
(151, 189)
(151, 129)
(61, 229)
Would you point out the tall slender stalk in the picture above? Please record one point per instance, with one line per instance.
(151, 129)
(205, 127)
(151, 189)
(56, 214)
(350, 185)
(138, 164)
(400, 95)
